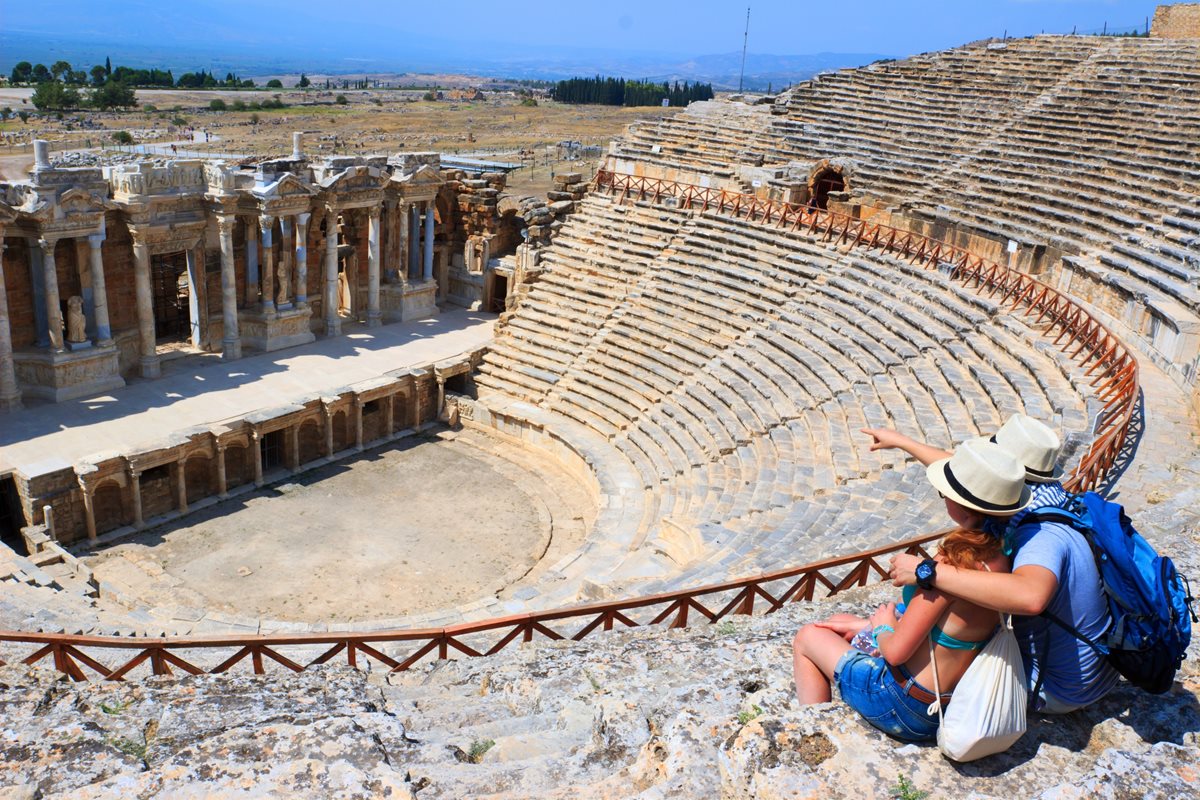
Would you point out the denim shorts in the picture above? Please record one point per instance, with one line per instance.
(867, 686)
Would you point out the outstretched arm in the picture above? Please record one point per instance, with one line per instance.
(1027, 590)
(886, 438)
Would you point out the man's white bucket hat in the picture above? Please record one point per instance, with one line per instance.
(1034, 445)
(982, 476)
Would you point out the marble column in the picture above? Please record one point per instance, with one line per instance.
(256, 447)
(231, 340)
(328, 431)
(181, 487)
(99, 293)
(251, 264)
(401, 262)
(333, 322)
(301, 291)
(265, 224)
(145, 311)
(89, 510)
(374, 316)
(414, 244)
(429, 241)
(285, 289)
(54, 320)
(389, 428)
(195, 277)
(10, 394)
(135, 495)
(222, 481)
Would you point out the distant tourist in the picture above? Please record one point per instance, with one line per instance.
(882, 665)
(1053, 569)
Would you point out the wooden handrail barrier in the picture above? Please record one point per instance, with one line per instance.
(1110, 364)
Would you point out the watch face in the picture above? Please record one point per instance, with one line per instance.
(924, 571)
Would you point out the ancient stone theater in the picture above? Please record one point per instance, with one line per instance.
(679, 351)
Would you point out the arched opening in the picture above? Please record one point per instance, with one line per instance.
(198, 477)
(108, 507)
(374, 419)
(157, 495)
(271, 450)
(826, 182)
(172, 297)
(499, 297)
(238, 469)
(12, 519)
(311, 441)
(340, 440)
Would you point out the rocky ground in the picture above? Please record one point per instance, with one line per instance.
(705, 712)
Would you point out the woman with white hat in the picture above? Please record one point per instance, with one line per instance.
(979, 482)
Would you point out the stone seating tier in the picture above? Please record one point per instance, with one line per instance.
(737, 372)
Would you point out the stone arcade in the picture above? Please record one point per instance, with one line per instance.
(107, 272)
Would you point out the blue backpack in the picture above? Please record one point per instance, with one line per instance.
(1149, 601)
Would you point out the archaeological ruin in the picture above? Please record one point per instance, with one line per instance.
(680, 351)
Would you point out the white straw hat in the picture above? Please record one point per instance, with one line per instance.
(982, 476)
(1034, 445)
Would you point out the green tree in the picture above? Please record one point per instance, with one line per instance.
(60, 70)
(304, 82)
(341, 100)
(24, 115)
(5, 112)
(21, 73)
(52, 96)
(98, 75)
(107, 66)
(40, 73)
(122, 137)
(113, 94)
(77, 77)
(216, 105)
(274, 83)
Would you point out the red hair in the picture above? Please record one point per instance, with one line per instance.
(967, 549)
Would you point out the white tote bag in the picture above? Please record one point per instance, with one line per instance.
(986, 714)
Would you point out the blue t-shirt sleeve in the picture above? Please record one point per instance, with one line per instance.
(1047, 549)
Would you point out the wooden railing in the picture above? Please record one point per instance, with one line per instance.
(1110, 364)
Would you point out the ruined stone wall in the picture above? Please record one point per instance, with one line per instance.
(117, 253)
(20, 292)
(1179, 21)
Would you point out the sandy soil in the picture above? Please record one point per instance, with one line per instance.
(400, 531)
(377, 121)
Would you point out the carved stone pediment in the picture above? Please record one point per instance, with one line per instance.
(355, 186)
(288, 191)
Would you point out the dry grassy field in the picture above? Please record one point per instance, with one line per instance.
(372, 121)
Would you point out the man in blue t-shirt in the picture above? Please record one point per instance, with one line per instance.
(1053, 569)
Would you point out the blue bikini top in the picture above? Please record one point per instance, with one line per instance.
(941, 637)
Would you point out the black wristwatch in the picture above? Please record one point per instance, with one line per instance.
(926, 573)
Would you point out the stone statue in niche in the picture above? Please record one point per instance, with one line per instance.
(76, 322)
(283, 282)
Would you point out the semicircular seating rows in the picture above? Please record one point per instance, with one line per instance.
(1081, 146)
(733, 365)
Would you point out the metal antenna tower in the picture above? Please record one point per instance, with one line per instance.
(745, 41)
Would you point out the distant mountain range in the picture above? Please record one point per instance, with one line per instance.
(248, 61)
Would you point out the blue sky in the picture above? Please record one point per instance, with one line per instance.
(696, 27)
